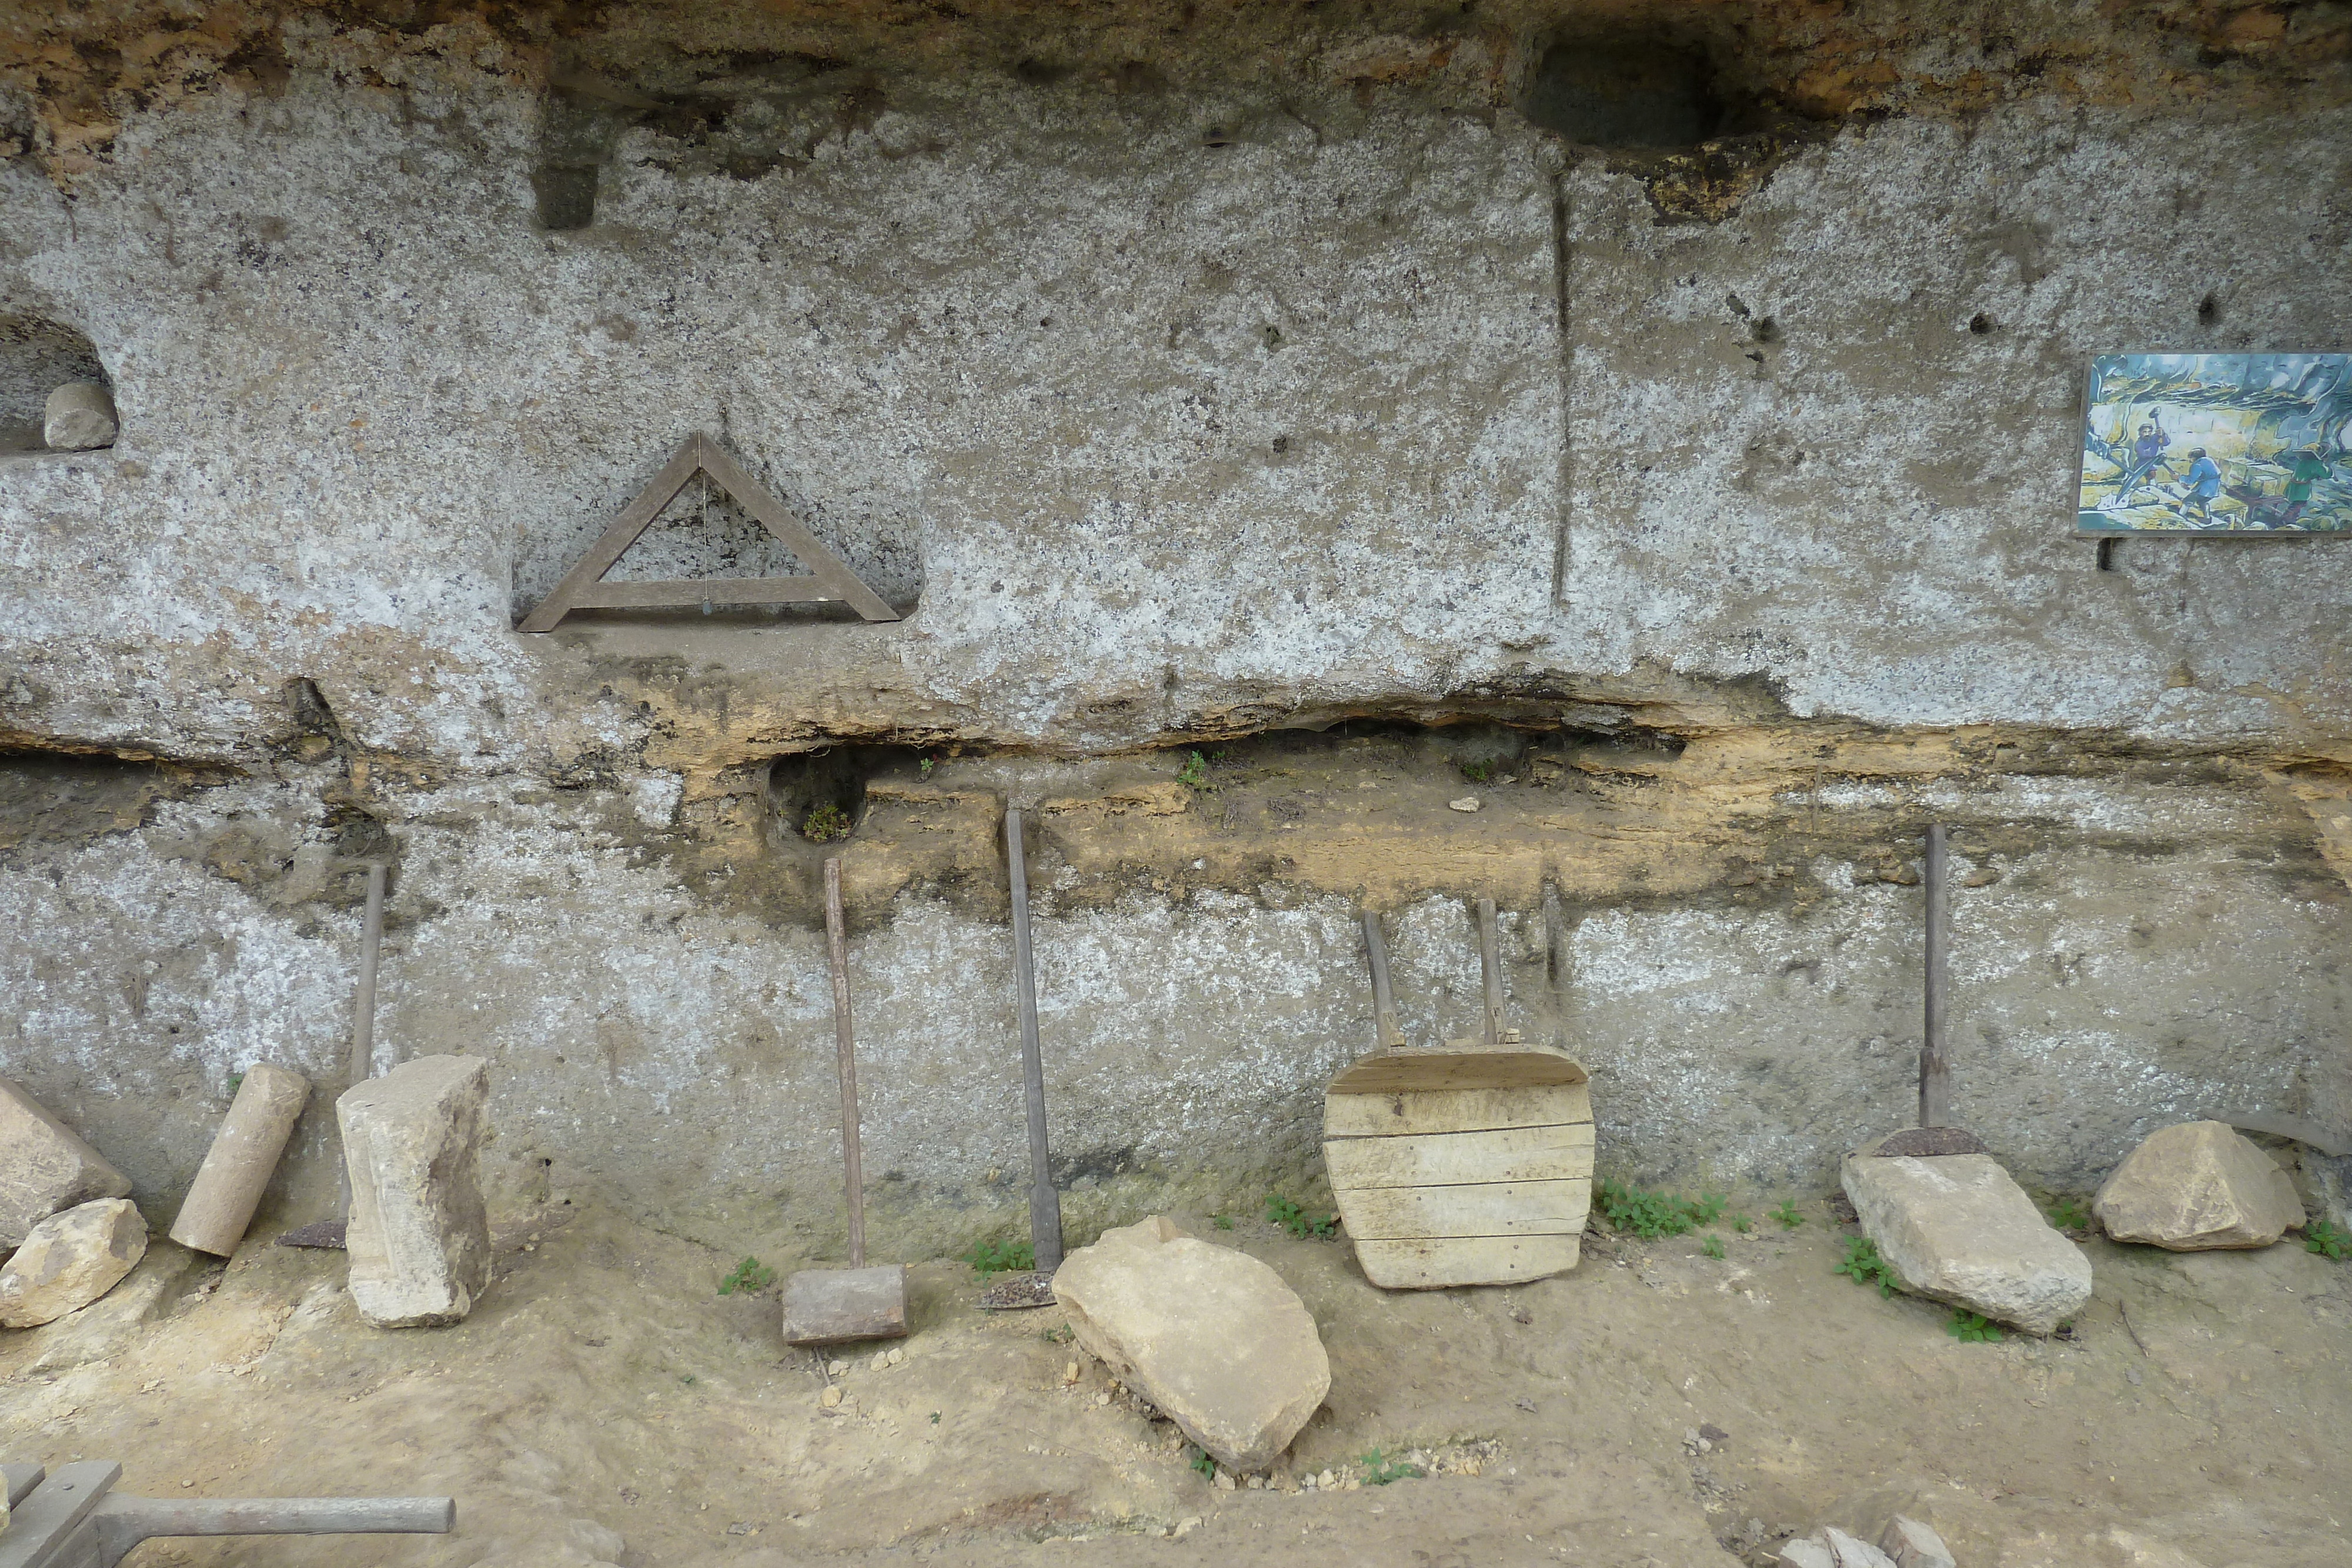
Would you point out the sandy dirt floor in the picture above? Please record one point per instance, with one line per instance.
(606, 1404)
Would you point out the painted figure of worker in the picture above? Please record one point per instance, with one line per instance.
(2202, 484)
(2309, 468)
(2147, 454)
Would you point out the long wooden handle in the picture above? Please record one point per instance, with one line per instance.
(1935, 1071)
(363, 1064)
(1386, 1034)
(1490, 964)
(853, 1174)
(124, 1521)
(1044, 1202)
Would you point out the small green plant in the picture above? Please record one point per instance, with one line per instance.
(925, 768)
(1221, 1221)
(2328, 1240)
(1062, 1335)
(2069, 1214)
(1477, 772)
(236, 1083)
(1194, 774)
(1742, 1223)
(1379, 1469)
(1653, 1214)
(1970, 1329)
(1712, 1247)
(750, 1278)
(1001, 1257)
(1282, 1211)
(1202, 1461)
(1789, 1214)
(935, 1417)
(824, 824)
(1864, 1266)
(686, 1380)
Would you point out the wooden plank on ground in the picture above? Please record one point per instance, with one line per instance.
(1453, 1110)
(1443, 1159)
(1485, 1209)
(1459, 1064)
(1433, 1265)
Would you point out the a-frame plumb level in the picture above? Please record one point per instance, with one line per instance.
(585, 588)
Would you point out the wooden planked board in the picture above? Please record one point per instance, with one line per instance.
(1453, 1110)
(1450, 1159)
(1483, 1208)
(1432, 1265)
(1459, 1064)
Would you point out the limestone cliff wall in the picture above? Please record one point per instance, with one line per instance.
(1230, 380)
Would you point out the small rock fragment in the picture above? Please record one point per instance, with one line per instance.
(836, 1367)
(1325, 1481)
(1848, 1553)
(1957, 1228)
(1185, 1527)
(44, 1167)
(830, 1399)
(419, 1239)
(1468, 803)
(78, 416)
(1807, 1552)
(2196, 1188)
(1211, 1336)
(70, 1261)
(1915, 1545)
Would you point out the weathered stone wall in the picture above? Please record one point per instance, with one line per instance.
(1185, 382)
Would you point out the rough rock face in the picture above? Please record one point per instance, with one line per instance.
(44, 1167)
(1913, 1544)
(70, 1261)
(1956, 1228)
(2197, 1186)
(419, 1239)
(1209, 1335)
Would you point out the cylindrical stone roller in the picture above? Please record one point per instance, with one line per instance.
(229, 1185)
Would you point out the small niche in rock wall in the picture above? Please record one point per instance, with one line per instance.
(38, 357)
(1625, 93)
(816, 799)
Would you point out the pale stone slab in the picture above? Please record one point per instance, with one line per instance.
(113, 1322)
(2196, 1188)
(1954, 1228)
(419, 1239)
(78, 416)
(1212, 1336)
(44, 1167)
(70, 1261)
(1806, 1552)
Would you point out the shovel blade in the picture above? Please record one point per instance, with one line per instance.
(828, 1306)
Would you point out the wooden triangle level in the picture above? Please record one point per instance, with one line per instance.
(585, 588)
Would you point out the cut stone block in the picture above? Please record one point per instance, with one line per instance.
(44, 1167)
(1806, 1552)
(1212, 1336)
(70, 1261)
(1915, 1545)
(78, 416)
(2195, 1187)
(419, 1239)
(1956, 1228)
(229, 1185)
(832, 1306)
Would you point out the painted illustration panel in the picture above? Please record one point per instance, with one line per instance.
(2217, 444)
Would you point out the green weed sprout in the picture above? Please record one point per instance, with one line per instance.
(1653, 1214)
(1789, 1214)
(1379, 1469)
(750, 1278)
(824, 824)
(2328, 1241)
(1712, 1247)
(1194, 774)
(1001, 1257)
(1970, 1329)
(1865, 1267)
(1282, 1211)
